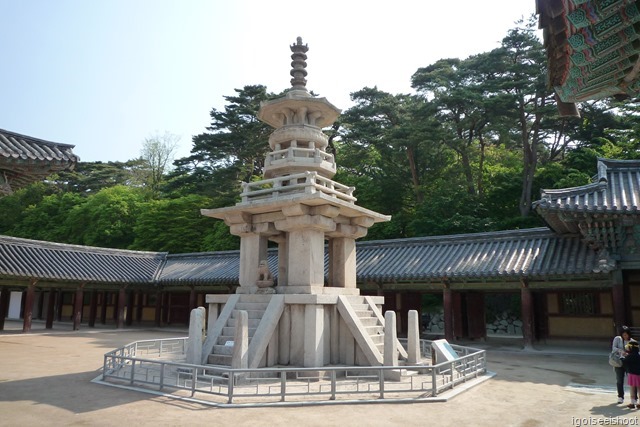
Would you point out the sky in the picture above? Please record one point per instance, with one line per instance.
(104, 75)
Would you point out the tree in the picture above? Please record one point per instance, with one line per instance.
(231, 151)
(157, 154)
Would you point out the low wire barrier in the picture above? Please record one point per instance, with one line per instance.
(158, 366)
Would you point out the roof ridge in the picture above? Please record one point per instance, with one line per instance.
(75, 247)
(34, 139)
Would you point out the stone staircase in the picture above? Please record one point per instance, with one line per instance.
(255, 306)
(373, 327)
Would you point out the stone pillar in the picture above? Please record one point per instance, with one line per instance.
(305, 245)
(413, 338)
(284, 332)
(194, 345)
(283, 262)
(28, 307)
(342, 255)
(122, 298)
(314, 336)
(5, 295)
(51, 307)
(390, 339)
(617, 295)
(527, 315)
(93, 309)
(447, 303)
(252, 248)
(77, 308)
(240, 358)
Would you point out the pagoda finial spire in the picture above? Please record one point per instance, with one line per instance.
(299, 65)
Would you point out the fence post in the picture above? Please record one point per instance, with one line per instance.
(283, 385)
(133, 369)
(230, 387)
(381, 379)
(452, 380)
(434, 382)
(333, 385)
(104, 368)
(161, 375)
(193, 381)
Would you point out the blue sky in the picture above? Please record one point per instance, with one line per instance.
(106, 74)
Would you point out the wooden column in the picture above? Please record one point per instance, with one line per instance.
(527, 314)
(193, 299)
(103, 308)
(139, 306)
(28, 306)
(5, 295)
(619, 307)
(59, 304)
(122, 299)
(77, 308)
(130, 303)
(41, 305)
(447, 303)
(51, 308)
(93, 309)
(158, 313)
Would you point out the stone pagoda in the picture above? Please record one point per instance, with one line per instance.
(307, 319)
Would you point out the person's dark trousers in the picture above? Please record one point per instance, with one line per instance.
(620, 381)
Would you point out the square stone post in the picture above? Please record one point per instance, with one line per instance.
(283, 262)
(252, 248)
(306, 258)
(413, 338)
(314, 336)
(390, 339)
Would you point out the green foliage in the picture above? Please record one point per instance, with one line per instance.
(173, 225)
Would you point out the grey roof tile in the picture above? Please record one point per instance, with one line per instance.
(23, 258)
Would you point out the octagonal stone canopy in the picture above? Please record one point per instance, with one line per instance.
(320, 112)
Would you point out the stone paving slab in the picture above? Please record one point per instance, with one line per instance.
(45, 379)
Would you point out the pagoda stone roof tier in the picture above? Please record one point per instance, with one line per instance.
(592, 48)
(32, 259)
(274, 112)
(24, 159)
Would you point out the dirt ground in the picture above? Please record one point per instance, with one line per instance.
(45, 380)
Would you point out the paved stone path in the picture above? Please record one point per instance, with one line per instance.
(45, 380)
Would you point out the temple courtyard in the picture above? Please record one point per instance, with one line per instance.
(45, 378)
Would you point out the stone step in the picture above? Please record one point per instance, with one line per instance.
(360, 307)
(231, 331)
(222, 339)
(377, 339)
(261, 306)
(369, 321)
(364, 313)
(356, 299)
(222, 349)
(253, 298)
(374, 330)
(219, 359)
(252, 314)
(253, 323)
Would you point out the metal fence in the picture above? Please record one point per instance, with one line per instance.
(157, 366)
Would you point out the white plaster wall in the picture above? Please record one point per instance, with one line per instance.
(15, 301)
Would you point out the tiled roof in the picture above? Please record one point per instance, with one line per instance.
(22, 258)
(208, 268)
(592, 47)
(534, 252)
(616, 189)
(24, 159)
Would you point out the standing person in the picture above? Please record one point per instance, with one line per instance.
(618, 345)
(631, 363)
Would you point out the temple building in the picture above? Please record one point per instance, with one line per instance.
(577, 278)
(24, 159)
(592, 49)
